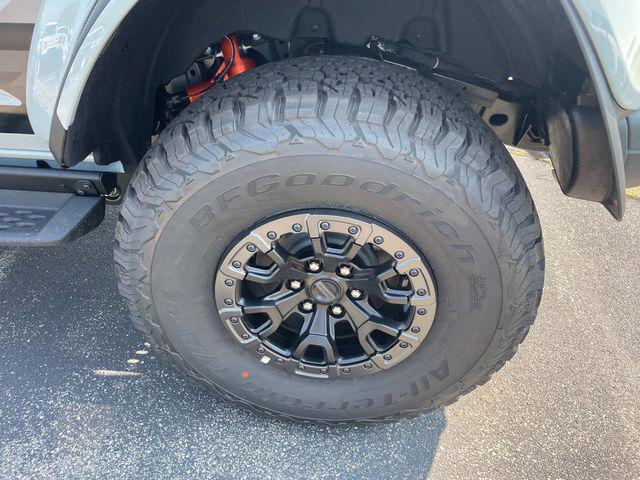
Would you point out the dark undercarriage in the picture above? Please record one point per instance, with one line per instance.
(516, 63)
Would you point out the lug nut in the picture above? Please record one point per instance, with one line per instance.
(279, 361)
(234, 320)
(236, 264)
(387, 357)
(399, 255)
(228, 301)
(404, 344)
(378, 240)
(228, 282)
(260, 350)
(353, 229)
(422, 311)
(344, 270)
(367, 365)
(307, 305)
(415, 329)
(355, 294)
(325, 225)
(245, 336)
(337, 310)
(296, 227)
(295, 284)
(251, 247)
(314, 265)
(422, 292)
(346, 370)
(323, 370)
(414, 272)
(272, 235)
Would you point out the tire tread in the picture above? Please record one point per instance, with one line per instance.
(336, 100)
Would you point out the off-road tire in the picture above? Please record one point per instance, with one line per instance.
(341, 133)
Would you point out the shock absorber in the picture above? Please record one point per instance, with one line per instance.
(233, 63)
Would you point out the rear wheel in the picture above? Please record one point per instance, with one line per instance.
(331, 239)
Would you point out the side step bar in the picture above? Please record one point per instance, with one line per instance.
(45, 206)
(57, 180)
(30, 219)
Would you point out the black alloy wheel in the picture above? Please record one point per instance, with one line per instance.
(325, 295)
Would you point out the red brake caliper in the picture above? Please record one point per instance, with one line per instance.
(233, 64)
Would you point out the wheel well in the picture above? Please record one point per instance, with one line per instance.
(521, 52)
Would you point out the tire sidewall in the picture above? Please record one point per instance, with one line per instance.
(458, 243)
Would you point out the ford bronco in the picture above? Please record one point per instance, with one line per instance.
(318, 215)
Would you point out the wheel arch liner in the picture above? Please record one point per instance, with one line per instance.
(104, 21)
(71, 136)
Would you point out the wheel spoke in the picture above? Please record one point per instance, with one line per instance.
(371, 326)
(319, 246)
(277, 306)
(358, 313)
(385, 271)
(370, 278)
(269, 328)
(319, 333)
(365, 319)
(279, 256)
(383, 325)
(297, 264)
(334, 255)
(288, 301)
(379, 273)
(392, 295)
(322, 252)
(274, 273)
(262, 276)
(351, 250)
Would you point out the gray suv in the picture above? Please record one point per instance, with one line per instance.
(319, 218)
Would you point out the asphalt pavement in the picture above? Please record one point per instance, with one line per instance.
(82, 397)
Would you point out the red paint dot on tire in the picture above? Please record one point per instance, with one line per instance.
(245, 374)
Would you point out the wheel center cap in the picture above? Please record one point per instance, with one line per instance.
(325, 291)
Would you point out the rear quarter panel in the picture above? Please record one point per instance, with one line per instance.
(52, 46)
(614, 29)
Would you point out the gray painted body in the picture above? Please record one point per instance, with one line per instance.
(614, 29)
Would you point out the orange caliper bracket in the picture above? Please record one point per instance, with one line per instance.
(234, 63)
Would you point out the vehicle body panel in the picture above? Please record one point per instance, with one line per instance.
(52, 46)
(614, 29)
(87, 54)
